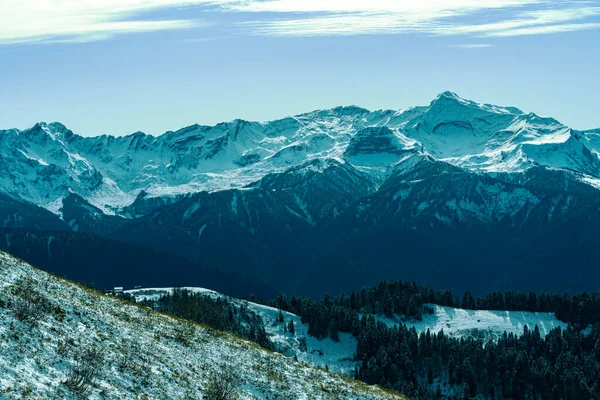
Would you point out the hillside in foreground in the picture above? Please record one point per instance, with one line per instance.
(54, 335)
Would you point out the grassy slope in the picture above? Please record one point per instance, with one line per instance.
(147, 355)
(322, 353)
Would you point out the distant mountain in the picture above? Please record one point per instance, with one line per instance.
(16, 213)
(456, 193)
(45, 163)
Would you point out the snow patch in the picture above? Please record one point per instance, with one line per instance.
(483, 324)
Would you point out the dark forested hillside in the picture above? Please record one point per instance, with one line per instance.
(105, 263)
(310, 232)
(219, 313)
(565, 364)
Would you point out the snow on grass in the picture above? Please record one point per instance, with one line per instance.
(483, 324)
(147, 355)
(326, 353)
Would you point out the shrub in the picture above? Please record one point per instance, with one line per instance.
(223, 384)
(85, 369)
(28, 305)
(185, 334)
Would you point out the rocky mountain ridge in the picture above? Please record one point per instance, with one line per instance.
(344, 197)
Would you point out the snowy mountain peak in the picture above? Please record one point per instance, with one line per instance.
(44, 163)
(349, 110)
(43, 132)
(448, 95)
(57, 127)
(448, 102)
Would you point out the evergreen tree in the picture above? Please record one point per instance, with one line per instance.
(468, 301)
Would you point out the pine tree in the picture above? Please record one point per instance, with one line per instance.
(466, 391)
(468, 301)
(334, 331)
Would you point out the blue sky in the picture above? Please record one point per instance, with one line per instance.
(118, 66)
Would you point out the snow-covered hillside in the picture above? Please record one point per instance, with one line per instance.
(326, 353)
(45, 163)
(482, 324)
(339, 356)
(142, 354)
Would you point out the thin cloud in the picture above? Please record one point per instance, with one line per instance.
(68, 21)
(545, 30)
(451, 17)
(542, 21)
(410, 8)
(25, 21)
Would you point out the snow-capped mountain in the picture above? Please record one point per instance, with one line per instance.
(336, 196)
(45, 163)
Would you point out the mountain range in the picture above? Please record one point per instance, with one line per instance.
(454, 194)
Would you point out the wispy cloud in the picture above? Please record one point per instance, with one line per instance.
(91, 20)
(545, 29)
(528, 22)
(448, 17)
(80, 21)
(408, 7)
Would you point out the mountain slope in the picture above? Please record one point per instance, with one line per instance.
(444, 193)
(139, 353)
(320, 189)
(15, 213)
(248, 231)
(336, 356)
(106, 263)
(47, 162)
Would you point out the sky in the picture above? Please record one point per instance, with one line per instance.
(120, 66)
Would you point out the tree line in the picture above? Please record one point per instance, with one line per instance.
(217, 312)
(562, 365)
(410, 301)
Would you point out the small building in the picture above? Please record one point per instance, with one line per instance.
(118, 290)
